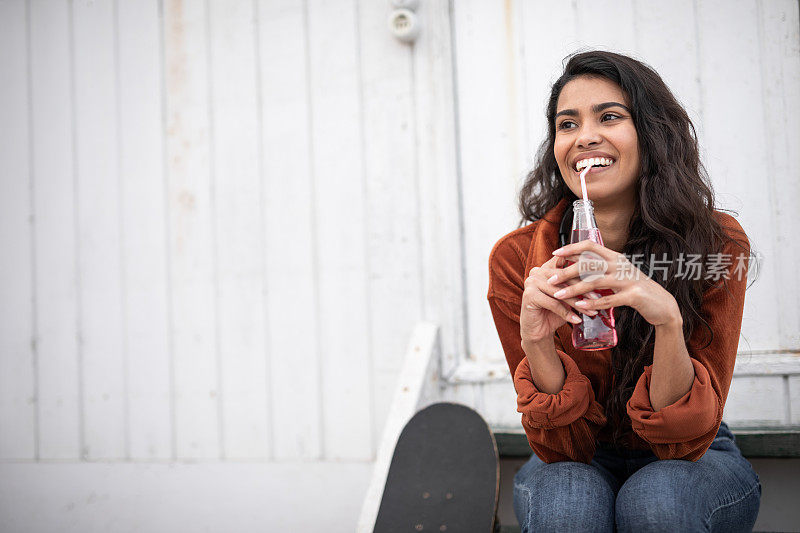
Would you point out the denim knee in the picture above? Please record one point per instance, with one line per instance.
(563, 496)
(675, 495)
(650, 508)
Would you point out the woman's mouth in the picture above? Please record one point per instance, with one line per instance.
(594, 162)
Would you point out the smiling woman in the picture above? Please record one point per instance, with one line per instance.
(630, 437)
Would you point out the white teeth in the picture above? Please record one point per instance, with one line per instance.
(593, 161)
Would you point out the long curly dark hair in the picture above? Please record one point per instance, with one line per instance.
(674, 210)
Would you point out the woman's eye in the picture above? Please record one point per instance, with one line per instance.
(566, 124)
(608, 116)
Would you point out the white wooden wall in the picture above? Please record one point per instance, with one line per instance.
(210, 228)
(220, 220)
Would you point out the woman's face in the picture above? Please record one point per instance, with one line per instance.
(593, 120)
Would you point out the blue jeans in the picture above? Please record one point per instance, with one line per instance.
(638, 492)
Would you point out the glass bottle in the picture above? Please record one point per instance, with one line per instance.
(594, 332)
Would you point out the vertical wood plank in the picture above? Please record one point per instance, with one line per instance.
(295, 393)
(191, 205)
(393, 248)
(491, 133)
(666, 31)
(339, 201)
(736, 144)
(606, 25)
(436, 111)
(55, 275)
(99, 282)
(17, 359)
(238, 227)
(779, 37)
(144, 231)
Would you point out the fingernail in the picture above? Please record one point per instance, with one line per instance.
(553, 278)
(575, 319)
(580, 303)
(593, 295)
(556, 252)
(560, 293)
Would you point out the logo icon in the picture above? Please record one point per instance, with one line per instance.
(591, 266)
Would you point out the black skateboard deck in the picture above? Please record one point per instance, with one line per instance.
(444, 475)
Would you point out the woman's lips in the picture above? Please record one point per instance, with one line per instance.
(595, 170)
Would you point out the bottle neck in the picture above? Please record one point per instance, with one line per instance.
(583, 215)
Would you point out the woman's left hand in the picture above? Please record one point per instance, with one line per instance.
(597, 267)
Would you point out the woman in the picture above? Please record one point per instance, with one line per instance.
(629, 437)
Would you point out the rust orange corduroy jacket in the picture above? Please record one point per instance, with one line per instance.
(565, 426)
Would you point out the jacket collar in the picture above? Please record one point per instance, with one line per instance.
(545, 236)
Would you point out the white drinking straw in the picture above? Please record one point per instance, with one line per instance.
(586, 196)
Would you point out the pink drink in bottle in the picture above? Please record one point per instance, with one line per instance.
(594, 332)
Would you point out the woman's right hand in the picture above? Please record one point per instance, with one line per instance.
(542, 314)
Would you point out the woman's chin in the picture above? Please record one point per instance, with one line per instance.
(603, 195)
(604, 189)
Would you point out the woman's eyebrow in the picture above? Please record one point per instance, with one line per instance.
(596, 108)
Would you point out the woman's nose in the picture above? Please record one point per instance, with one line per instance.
(588, 136)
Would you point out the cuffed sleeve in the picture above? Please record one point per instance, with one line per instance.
(561, 426)
(683, 429)
(686, 428)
